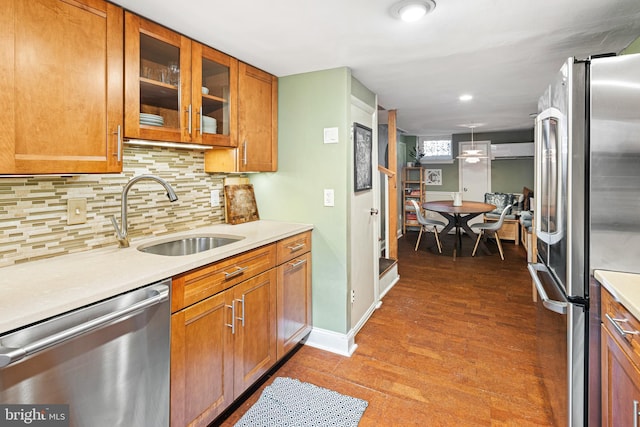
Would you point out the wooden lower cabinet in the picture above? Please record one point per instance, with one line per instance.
(294, 302)
(255, 329)
(620, 364)
(219, 347)
(201, 361)
(232, 321)
(620, 385)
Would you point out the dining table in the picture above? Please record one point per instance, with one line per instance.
(458, 217)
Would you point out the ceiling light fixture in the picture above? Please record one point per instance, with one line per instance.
(412, 10)
(465, 97)
(473, 154)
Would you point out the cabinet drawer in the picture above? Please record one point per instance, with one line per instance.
(293, 246)
(622, 325)
(196, 285)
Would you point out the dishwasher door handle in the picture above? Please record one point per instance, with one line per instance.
(9, 355)
(559, 307)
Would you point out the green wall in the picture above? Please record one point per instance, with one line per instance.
(308, 103)
(507, 176)
(633, 47)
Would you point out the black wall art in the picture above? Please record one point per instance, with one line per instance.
(362, 146)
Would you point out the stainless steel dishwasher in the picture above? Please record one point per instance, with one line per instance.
(108, 361)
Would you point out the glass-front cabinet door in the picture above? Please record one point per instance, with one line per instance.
(157, 82)
(214, 94)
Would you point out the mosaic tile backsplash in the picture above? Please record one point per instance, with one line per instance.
(33, 210)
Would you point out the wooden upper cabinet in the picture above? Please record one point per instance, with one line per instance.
(257, 120)
(157, 82)
(214, 96)
(61, 87)
(176, 89)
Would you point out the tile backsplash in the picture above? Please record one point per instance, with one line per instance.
(33, 210)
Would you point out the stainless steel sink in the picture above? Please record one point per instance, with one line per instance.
(189, 245)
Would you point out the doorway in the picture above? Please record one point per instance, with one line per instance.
(475, 178)
(363, 224)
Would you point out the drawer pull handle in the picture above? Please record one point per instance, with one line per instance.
(616, 325)
(635, 413)
(296, 247)
(237, 272)
(297, 263)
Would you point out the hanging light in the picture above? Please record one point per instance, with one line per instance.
(473, 154)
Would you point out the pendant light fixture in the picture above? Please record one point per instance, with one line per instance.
(473, 154)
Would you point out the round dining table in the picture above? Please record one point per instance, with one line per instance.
(458, 216)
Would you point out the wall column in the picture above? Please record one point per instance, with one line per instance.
(393, 186)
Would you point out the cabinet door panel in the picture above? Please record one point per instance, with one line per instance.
(67, 87)
(620, 384)
(157, 82)
(257, 120)
(201, 361)
(214, 93)
(294, 302)
(255, 339)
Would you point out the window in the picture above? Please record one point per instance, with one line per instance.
(435, 150)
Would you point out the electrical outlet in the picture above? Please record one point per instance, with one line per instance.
(329, 199)
(215, 198)
(76, 211)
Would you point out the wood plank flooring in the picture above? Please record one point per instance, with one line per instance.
(452, 345)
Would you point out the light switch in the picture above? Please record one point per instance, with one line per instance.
(330, 135)
(76, 211)
(328, 197)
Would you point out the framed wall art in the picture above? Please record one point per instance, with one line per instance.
(433, 176)
(362, 146)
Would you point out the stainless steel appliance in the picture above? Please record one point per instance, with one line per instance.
(587, 217)
(108, 361)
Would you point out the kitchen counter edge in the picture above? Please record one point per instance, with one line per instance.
(37, 290)
(625, 288)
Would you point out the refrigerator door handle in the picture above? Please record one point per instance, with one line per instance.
(559, 307)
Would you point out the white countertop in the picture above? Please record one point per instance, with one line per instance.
(625, 288)
(37, 290)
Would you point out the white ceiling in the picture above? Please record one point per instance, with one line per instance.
(503, 52)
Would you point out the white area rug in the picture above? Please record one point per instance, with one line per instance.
(289, 402)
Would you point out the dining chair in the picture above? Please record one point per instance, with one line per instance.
(483, 227)
(425, 223)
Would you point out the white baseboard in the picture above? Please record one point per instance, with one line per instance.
(342, 344)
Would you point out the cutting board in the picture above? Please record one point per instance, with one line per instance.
(240, 203)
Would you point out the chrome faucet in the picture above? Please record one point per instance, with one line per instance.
(123, 240)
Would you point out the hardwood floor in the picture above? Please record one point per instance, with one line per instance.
(452, 345)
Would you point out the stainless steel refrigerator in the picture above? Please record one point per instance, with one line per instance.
(587, 217)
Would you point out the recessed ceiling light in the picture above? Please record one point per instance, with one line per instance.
(465, 97)
(412, 10)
